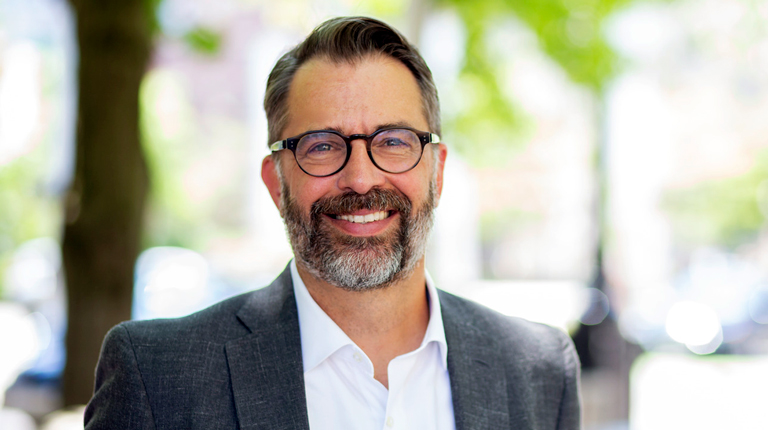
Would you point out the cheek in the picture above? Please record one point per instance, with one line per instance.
(416, 188)
(308, 191)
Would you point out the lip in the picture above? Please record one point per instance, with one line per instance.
(372, 228)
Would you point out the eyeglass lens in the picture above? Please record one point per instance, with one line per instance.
(324, 153)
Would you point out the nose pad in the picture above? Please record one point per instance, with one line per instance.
(360, 174)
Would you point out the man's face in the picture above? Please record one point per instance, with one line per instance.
(323, 215)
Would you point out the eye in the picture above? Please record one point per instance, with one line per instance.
(396, 140)
(320, 148)
(392, 141)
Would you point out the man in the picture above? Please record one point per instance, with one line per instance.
(352, 335)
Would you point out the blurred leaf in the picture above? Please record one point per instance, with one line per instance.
(204, 40)
(151, 7)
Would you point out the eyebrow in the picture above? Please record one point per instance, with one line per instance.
(378, 127)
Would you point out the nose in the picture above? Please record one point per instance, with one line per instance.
(360, 174)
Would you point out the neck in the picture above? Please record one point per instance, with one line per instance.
(384, 323)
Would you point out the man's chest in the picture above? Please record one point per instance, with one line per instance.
(342, 392)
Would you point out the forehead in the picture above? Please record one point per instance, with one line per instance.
(354, 97)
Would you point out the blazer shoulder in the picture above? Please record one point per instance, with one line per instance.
(536, 364)
(217, 322)
(223, 321)
(505, 332)
(226, 320)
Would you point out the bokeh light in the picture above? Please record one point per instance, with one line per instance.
(692, 323)
(170, 282)
(18, 340)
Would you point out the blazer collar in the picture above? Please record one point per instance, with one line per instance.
(265, 366)
(267, 376)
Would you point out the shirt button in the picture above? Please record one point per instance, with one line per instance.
(390, 422)
(357, 356)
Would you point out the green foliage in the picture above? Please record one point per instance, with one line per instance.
(171, 219)
(568, 31)
(383, 8)
(490, 128)
(27, 213)
(727, 212)
(150, 8)
(196, 179)
(204, 40)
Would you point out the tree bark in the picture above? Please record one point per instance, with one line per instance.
(105, 204)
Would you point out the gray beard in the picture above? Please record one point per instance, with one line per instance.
(359, 263)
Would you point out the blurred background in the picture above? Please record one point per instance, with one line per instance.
(607, 174)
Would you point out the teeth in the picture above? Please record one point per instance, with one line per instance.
(364, 219)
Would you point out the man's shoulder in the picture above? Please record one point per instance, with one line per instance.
(217, 322)
(533, 364)
(506, 333)
(228, 319)
(179, 364)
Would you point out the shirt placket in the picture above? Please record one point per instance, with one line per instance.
(373, 393)
(398, 372)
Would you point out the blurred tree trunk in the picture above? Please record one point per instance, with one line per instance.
(105, 204)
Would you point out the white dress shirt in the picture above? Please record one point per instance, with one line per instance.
(338, 376)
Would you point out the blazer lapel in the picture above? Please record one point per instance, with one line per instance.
(478, 384)
(265, 366)
(483, 391)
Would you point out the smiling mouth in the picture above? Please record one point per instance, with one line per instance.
(363, 219)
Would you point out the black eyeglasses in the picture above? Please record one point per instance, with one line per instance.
(325, 152)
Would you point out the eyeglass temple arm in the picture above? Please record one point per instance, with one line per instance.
(279, 145)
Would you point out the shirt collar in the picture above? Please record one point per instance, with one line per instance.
(321, 337)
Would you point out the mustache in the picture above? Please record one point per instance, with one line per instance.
(376, 199)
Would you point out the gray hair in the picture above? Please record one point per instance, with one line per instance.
(347, 39)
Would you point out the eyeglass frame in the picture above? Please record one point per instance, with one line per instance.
(425, 137)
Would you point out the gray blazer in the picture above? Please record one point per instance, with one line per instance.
(237, 365)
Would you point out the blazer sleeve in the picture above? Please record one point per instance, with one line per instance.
(120, 399)
(569, 417)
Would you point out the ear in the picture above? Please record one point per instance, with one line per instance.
(441, 156)
(271, 179)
